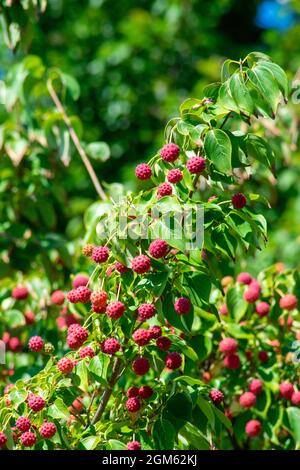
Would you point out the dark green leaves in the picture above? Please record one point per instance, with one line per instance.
(218, 150)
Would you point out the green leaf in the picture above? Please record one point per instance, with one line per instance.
(226, 100)
(58, 410)
(117, 445)
(222, 418)
(14, 318)
(278, 74)
(207, 410)
(98, 367)
(164, 435)
(241, 94)
(180, 406)
(189, 380)
(266, 84)
(71, 84)
(91, 442)
(260, 150)
(294, 420)
(98, 151)
(17, 396)
(218, 149)
(237, 306)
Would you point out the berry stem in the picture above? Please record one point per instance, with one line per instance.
(76, 142)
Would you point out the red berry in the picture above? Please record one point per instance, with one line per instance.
(83, 294)
(120, 267)
(23, 424)
(100, 254)
(163, 343)
(158, 249)
(132, 392)
(134, 445)
(247, 400)
(244, 278)
(80, 281)
(143, 171)
(28, 439)
(174, 176)
(173, 360)
(254, 284)
(36, 343)
(58, 297)
(155, 331)
(164, 189)
(239, 200)
(14, 344)
(182, 306)
(20, 293)
(99, 298)
(133, 404)
(263, 356)
(255, 386)
(72, 296)
(146, 311)
(141, 366)
(145, 392)
(65, 365)
(286, 390)
(110, 346)
(47, 430)
(73, 342)
(141, 264)
(232, 361)
(228, 346)
(35, 402)
(262, 309)
(196, 165)
(141, 337)
(170, 152)
(115, 309)
(87, 351)
(253, 428)
(288, 302)
(223, 309)
(251, 295)
(99, 309)
(29, 317)
(216, 396)
(3, 439)
(296, 398)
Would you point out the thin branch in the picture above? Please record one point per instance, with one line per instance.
(76, 142)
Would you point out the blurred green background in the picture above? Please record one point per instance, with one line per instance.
(135, 61)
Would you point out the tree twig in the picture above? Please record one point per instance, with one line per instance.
(76, 141)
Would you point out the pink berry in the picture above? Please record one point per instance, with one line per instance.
(251, 295)
(110, 346)
(223, 309)
(35, 402)
(143, 171)
(20, 293)
(58, 297)
(65, 365)
(244, 278)
(80, 281)
(155, 331)
(132, 392)
(255, 386)
(253, 428)
(146, 311)
(100, 254)
(174, 176)
(163, 343)
(228, 346)
(288, 302)
(158, 249)
(173, 360)
(182, 306)
(286, 390)
(145, 392)
(87, 351)
(170, 152)
(3, 439)
(47, 430)
(239, 200)
(196, 165)
(216, 396)
(164, 189)
(141, 366)
(232, 361)
(247, 400)
(296, 398)
(36, 343)
(262, 309)
(115, 309)
(28, 439)
(29, 317)
(120, 267)
(134, 445)
(99, 298)
(141, 337)
(23, 424)
(141, 264)
(133, 404)
(83, 294)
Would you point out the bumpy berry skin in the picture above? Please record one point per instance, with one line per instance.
(36, 343)
(228, 346)
(263, 356)
(100, 254)
(134, 445)
(20, 293)
(170, 152)
(262, 309)
(163, 343)
(115, 309)
(196, 165)
(164, 189)
(72, 296)
(73, 342)
(35, 402)
(99, 298)
(133, 404)
(47, 430)
(216, 396)
(87, 351)
(288, 302)
(83, 294)
(174, 176)
(3, 439)
(286, 390)
(141, 366)
(253, 428)
(244, 278)
(57, 297)
(77, 335)
(65, 365)
(110, 346)
(120, 267)
(255, 386)
(232, 361)
(158, 249)
(254, 284)
(239, 200)
(28, 439)
(145, 392)
(29, 317)
(87, 250)
(141, 264)
(182, 306)
(295, 399)
(173, 360)
(251, 295)
(80, 281)
(49, 348)
(223, 309)
(99, 309)
(155, 332)
(143, 171)
(146, 311)
(141, 337)
(247, 400)
(132, 392)
(23, 424)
